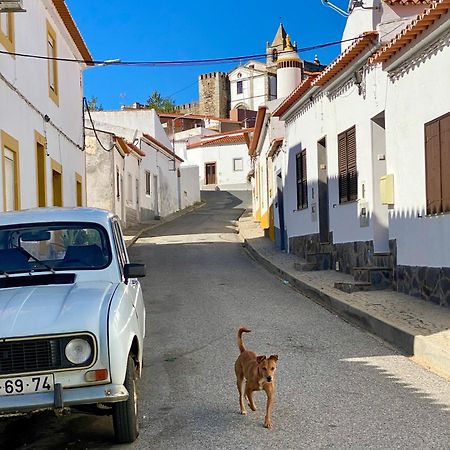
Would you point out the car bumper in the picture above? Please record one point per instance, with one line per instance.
(61, 398)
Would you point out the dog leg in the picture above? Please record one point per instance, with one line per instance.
(240, 386)
(251, 403)
(268, 418)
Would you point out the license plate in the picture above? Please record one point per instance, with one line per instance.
(26, 385)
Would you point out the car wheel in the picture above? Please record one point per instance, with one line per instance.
(125, 414)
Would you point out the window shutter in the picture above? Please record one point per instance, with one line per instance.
(444, 134)
(304, 181)
(433, 168)
(342, 165)
(351, 165)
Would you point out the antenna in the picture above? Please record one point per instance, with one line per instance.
(335, 8)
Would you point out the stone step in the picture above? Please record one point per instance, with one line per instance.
(321, 259)
(381, 259)
(378, 277)
(353, 286)
(304, 266)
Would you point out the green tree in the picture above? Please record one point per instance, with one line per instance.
(94, 105)
(160, 104)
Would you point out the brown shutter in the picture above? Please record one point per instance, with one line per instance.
(444, 132)
(433, 168)
(342, 165)
(351, 165)
(304, 181)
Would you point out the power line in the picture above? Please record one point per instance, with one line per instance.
(189, 62)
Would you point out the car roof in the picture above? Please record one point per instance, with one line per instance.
(42, 215)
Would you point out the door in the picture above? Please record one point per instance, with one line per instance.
(324, 212)
(280, 202)
(210, 176)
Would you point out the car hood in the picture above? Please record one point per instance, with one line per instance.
(34, 310)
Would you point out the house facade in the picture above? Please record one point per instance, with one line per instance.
(135, 172)
(223, 160)
(363, 180)
(41, 108)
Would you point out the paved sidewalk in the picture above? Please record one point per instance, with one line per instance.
(132, 234)
(415, 327)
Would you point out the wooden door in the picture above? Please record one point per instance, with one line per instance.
(210, 175)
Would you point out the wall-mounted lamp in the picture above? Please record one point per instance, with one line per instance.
(358, 77)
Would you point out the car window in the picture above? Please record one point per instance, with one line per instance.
(63, 246)
(121, 250)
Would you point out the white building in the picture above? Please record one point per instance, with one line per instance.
(141, 178)
(365, 176)
(41, 108)
(223, 160)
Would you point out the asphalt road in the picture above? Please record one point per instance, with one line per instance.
(337, 386)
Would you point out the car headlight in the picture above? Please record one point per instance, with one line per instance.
(78, 351)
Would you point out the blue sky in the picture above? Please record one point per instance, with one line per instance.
(181, 30)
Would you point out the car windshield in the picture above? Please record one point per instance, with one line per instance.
(54, 247)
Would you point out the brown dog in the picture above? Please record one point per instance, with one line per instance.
(259, 373)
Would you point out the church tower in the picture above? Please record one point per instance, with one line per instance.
(289, 69)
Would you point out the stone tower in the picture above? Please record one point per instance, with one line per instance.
(275, 49)
(214, 94)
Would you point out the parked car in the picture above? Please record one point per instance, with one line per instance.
(72, 316)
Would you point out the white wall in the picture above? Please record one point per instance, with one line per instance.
(20, 120)
(223, 156)
(421, 240)
(254, 87)
(189, 185)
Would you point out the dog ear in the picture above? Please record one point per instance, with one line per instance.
(274, 357)
(260, 359)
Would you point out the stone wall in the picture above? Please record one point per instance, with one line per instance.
(430, 283)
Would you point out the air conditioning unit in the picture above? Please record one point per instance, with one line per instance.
(11, 6)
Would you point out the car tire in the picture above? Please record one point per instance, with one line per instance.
(125, 414)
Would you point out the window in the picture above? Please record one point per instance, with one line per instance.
(7, 31)
(117, 183)
(302, 181)
(57, 183)
(130, 188)
(41, 170)
(148, 183)
(52, 64)
(274, 55)
(437, 165)
(238, 164)
(239, 87)
(10, 164)
(79, 189)
(348, 174)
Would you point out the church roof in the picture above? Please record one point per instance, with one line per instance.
(279, 37)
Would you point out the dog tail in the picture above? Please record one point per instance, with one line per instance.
(239, 338)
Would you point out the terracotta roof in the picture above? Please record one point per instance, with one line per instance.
(228, 138)
(193, 116)
(295, 95)
(412, 31)
(154, 141)
(258, 127)
(73, 30)
(127, 147)
(407, 2)
(346, 57)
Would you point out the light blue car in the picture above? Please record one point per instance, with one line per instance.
(72, 316)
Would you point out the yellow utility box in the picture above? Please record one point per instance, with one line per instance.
(387, 190)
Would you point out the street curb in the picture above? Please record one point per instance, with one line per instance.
(400, 339)
(163, 221)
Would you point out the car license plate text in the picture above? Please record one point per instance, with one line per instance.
(26, 385)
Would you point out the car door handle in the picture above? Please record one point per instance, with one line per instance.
(134, 282)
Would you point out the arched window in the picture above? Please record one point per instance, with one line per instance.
(274, 55)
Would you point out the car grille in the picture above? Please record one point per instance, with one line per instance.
(23, 356)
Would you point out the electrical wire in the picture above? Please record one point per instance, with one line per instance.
(191, 62)
(86, 105)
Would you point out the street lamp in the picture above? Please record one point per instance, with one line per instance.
(11, 6)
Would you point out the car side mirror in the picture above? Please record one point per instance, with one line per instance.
(134, 270)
